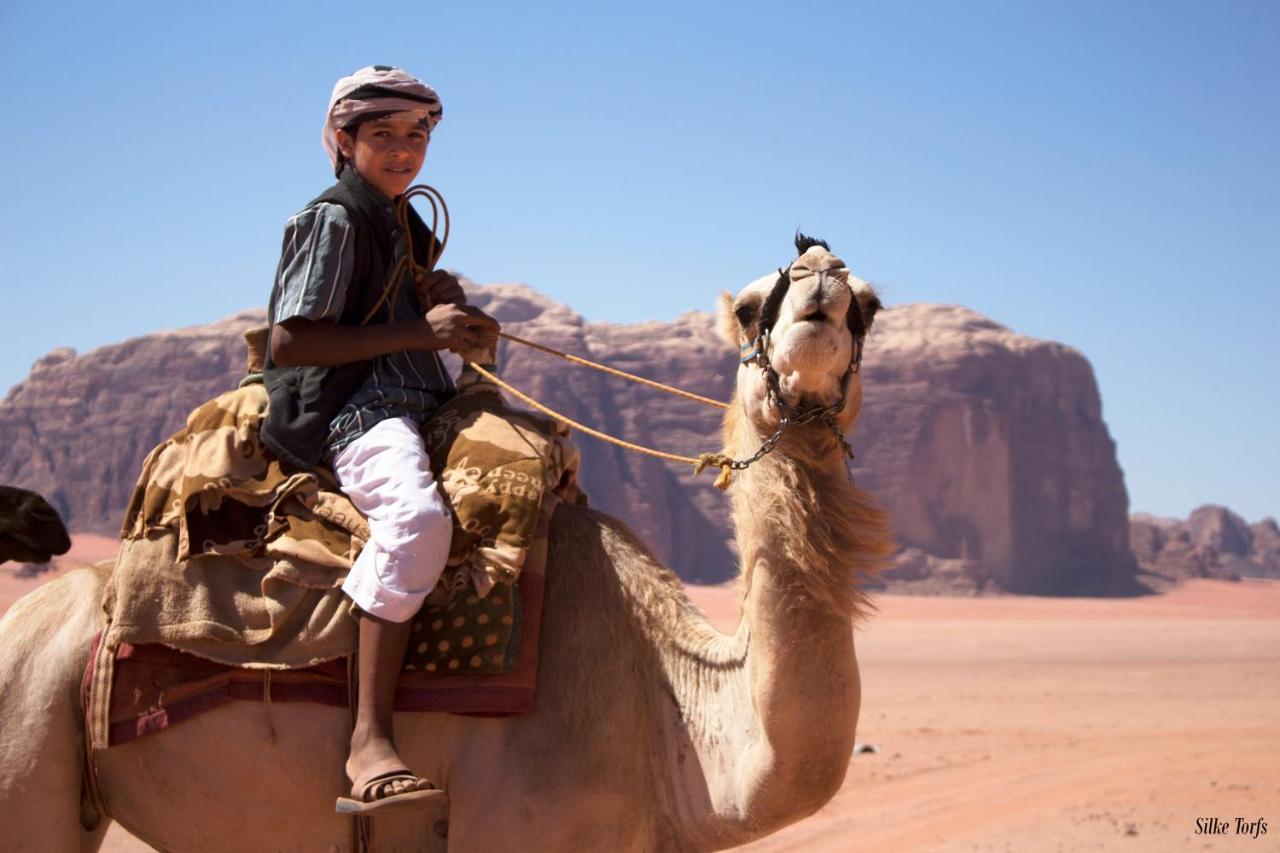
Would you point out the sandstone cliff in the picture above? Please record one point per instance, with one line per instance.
(988, 447)
(1213, 542)
(77, 428)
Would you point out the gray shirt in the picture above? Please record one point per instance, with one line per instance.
(313, 279)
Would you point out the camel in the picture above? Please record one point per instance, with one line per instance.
(653, 730)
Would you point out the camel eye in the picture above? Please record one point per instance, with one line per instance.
(746, 315)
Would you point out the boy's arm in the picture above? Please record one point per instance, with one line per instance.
(324, 343)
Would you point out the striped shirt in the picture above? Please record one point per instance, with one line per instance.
(312, 282)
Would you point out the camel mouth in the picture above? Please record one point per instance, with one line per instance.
(811, 357)
(814, 343)
(808, 402)
(803, 393)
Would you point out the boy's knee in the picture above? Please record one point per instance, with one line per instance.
(421, 544)
(435, 521)
(428, 520)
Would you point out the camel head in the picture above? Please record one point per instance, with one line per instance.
(807, 323)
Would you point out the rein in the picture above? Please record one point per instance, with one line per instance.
(790, 416)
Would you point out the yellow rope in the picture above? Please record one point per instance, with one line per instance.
(409, 265)
(705, 460)
(689, 395)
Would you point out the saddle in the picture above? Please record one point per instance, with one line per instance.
(227, 583)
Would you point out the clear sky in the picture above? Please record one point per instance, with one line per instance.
(1104, 174)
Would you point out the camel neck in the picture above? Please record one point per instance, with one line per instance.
(791, 512)
(775, 707)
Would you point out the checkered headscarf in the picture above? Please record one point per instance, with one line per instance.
(380, 89)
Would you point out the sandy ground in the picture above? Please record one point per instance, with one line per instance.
(1031, 724)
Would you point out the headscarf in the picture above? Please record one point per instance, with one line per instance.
(391, 92)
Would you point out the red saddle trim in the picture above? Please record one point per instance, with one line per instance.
(154, 687)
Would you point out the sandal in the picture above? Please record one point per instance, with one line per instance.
(368, 797)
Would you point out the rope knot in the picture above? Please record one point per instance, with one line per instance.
(719, 460)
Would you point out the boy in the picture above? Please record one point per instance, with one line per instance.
(353, 393)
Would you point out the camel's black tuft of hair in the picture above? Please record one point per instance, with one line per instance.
(804, 243)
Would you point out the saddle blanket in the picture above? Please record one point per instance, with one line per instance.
(152, 687)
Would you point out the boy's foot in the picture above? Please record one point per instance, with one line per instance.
(386, 785)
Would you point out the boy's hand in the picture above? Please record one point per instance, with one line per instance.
(439, 288)
(460, 327)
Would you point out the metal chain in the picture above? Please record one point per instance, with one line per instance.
(792, 418)
(765, 447)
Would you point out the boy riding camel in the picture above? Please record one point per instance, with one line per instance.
(352, 371)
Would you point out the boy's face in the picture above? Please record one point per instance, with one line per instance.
(388, 153)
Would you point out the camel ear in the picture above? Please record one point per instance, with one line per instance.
(868, 302)
(728, 323)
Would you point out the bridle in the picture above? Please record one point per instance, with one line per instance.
(757, 352)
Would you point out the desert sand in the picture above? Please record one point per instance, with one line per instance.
(1036, 724)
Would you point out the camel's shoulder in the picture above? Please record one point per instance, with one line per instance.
(591, 548)
(589, 530)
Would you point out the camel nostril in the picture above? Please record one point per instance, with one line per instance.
(817, 315)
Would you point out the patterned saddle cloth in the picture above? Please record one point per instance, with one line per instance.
(228, 559)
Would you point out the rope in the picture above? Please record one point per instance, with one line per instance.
(699, 463)
(409, 265)
(266, 704)
(689, 395)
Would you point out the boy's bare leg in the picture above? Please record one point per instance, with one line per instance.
(381, 654)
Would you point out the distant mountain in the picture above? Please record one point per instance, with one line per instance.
(1213, 542)
(988, 447)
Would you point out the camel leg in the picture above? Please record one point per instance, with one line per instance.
(44, 646)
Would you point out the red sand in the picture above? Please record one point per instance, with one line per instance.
(1038, 724)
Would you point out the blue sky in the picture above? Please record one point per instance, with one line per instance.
(1104, 174)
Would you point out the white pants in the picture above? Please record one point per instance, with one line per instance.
(385, 474)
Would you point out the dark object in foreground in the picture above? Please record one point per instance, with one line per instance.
(31, 531)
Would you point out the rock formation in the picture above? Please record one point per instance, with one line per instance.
(1213, 542)
(78, 427)
(988, 447)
